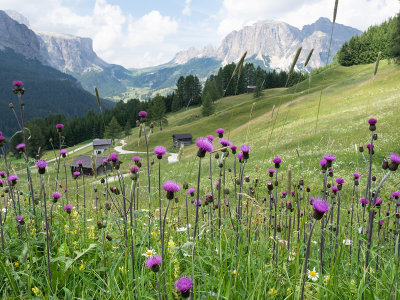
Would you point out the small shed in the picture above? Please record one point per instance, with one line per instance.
(90, 165)
(251, 88)
(101, 145)
(184, 138)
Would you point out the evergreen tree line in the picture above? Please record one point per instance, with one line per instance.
(364, 48)
(117, 122)
(188, 90)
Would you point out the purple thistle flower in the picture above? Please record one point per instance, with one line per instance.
(68, 208)
(364, 201)
(372, 121)
(380, 223)
(378, 202)
(293, 193)
(277, 160)
(142, 114)
(191, 191)
(18, 83)
(271, 172)
(240, 156)
(2, 174)
(334, 189)
(323, 163)
(2, 140)
(210, 137)
(283, 193)
(113, 157)
(171, 187)
(77, 174)
(329, 157)
(395, 195)
(220, 130)
(160, 151)
(20, 147)
(245, 148)
(134, 169)
(41, 164)
(356, 176)
(369, 146)
(153, 263)
(395, 158)
(204, 146)
(79, 163)
(184, 285)
(320, 208)
(233, 148)
(387, 213)
(56, 195)
(20, 220)
(197, 202)
(60, 127)
(339, 180)
(225, 142)
(63, 151)
(136, 158)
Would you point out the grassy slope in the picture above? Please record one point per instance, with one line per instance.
(349, 97)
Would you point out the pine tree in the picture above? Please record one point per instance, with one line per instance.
(208, 106)
(113, 129)
(158, 111)
(127, 128)
(395, 46)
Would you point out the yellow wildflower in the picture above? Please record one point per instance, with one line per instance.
(150, 287)
(121, 269)
(272, 291)
(16, 264)
(326, 279)
(36, 291)
(82, 268)
(289, 291)
(75, 243)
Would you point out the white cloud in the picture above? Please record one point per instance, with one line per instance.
(117, 36)
(186, 10)
(150, 29)
(357, 13)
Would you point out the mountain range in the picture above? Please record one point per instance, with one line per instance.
(269, 44)
(47, 90)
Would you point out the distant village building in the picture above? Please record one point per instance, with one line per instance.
(99, 146)
(90, 165)
(251, 88)
(185, 139)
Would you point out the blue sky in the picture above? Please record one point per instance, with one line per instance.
(149, 32)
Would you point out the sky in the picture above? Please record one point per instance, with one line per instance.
(141, 33)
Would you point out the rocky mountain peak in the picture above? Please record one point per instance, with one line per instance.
(19, 38)
(69, 53)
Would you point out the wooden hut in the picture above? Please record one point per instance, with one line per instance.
(251, 88)
(101, 145)
(184, 138)
(90, 165)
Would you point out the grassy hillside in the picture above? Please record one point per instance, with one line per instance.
(243, 259)
(283, 121)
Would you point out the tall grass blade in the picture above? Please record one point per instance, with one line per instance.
(237, 69)
(308, 57)
(377, 63)
(335, 11)
(293, 65)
